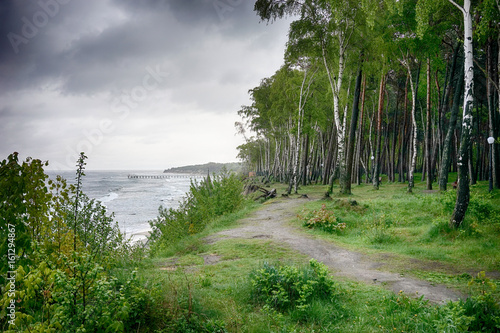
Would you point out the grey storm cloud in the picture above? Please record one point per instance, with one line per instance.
(67, 66)
(58, 39)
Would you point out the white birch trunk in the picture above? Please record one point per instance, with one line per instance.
(463, 190)
(336, 86)
(413, 161)
(304, 93)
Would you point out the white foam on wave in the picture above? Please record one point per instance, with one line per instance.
(110, 197)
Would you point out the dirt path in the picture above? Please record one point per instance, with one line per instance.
(270, 222)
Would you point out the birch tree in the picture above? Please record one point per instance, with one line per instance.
(413, 160)
(305, 91)
(463, 190)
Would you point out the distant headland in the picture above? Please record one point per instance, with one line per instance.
(211, 167)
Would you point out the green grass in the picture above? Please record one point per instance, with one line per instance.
(409, 229)
(416, 225)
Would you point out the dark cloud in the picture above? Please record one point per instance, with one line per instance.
(87, 57)
(70, 64)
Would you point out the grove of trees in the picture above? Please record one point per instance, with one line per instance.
(394, 87)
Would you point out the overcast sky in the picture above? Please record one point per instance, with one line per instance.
(136, 84)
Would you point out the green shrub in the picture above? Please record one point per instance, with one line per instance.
(322, 219)
(482, 307)
(205, 201)
(286, 287)
(81, 298)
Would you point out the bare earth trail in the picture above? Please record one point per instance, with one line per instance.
(270, 222)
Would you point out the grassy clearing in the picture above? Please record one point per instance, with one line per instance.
(415, 227)
(222, 293)
(207, 286)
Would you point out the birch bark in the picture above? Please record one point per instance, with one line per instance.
(413, 158)
(336, 85)
(463, 190)
(377, 166)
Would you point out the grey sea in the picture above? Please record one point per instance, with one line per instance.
(134, 201)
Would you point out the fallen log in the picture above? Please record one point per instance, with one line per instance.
(266, 194)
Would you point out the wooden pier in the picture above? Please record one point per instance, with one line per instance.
(160, 176)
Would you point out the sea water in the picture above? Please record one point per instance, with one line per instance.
(133, 201)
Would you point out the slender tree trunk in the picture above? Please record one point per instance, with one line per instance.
(472, 173)
(369, 171)
(443, 180)
(428, 136)
(438, 142)
(376, 181)
(329, 155)
(305, 160)
(447, 144)
(413, 159)
(403, 136)
(395, 131)
(346, 188)
(360, 130)
(491, 112)
(463, 190)
(336, 85)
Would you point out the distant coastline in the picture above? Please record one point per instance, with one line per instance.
(211, 167)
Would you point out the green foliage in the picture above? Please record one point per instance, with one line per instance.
(322, 219)
(401, 313)
(205, 201)
(285, 287)
(482, 308)
(24, 206)
(97, 232)
(66, 250)
(81, 298)
(101, 303)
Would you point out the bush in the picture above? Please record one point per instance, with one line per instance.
(288, 287)
(322, 219)
(482, 307)
(204, 202)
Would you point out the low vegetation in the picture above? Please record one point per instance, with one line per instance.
(321, 219)
(205, 201)
(66, 269)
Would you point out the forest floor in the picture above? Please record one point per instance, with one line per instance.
(273, 222)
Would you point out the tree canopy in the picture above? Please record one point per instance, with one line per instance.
(410, 54)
